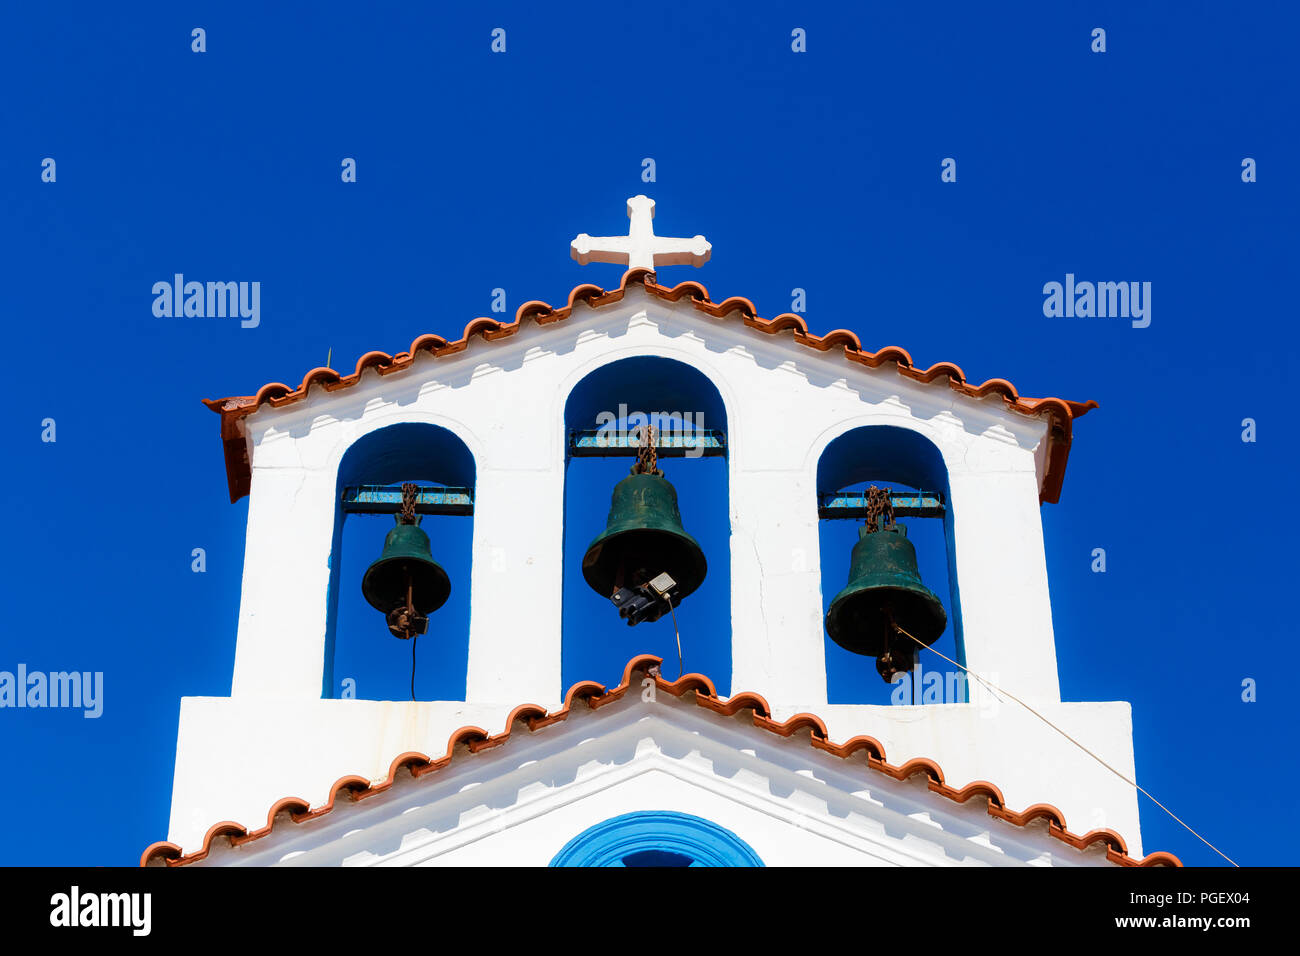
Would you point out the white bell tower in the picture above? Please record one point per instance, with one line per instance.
(791, 398)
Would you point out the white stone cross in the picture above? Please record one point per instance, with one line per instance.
(640, 248)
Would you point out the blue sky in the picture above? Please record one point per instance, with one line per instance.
(818, 170)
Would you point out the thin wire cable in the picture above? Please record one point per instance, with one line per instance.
(414, 638)
(681, 669)
(1131, 783)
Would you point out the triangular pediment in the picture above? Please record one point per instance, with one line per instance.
(782, 342)
(784, 788)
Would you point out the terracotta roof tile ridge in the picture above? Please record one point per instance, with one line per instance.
(532, 717)
(277, 394)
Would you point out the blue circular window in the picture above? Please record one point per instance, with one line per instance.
(656, 838)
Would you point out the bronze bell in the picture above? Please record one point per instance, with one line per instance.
(643, 537)
(405, 582)
(884, 595)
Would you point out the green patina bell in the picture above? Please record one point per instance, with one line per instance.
(643, 537)
(885, 590)
(406, 569)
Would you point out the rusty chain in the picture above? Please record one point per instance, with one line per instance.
(880, 504)
(410, 491)
(647, 455)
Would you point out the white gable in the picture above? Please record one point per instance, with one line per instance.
(275, 735)
(520, 802)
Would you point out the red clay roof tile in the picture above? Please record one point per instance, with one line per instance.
(594, 695)
(1060, 412)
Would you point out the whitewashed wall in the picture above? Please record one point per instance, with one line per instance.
(506, 400)
(520, 803)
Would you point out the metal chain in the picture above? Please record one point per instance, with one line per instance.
(880, 504)
(647, 455)
(410, 491)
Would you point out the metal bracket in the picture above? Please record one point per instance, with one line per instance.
(853, 504)
(387, 500)
(624, 443)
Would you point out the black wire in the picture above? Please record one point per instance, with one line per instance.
(414, 638)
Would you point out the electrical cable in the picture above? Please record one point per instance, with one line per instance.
(414, 638)
(1131, 783)
(676, 633)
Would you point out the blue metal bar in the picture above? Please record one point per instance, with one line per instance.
(612, 443)
(842, 504)
(387, 500)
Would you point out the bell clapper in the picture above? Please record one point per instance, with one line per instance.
(644, 562)
(405, 621)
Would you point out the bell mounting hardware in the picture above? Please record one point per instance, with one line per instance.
(405, 583)
(644, 561)
(884, 595)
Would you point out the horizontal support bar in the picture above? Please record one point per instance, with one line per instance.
(387, 500)
(613, 443)
(921, 504)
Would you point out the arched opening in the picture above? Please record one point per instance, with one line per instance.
(908, 464)
(601, 418)
(362, 659)
(656, 838)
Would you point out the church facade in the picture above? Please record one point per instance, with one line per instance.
(650, 771)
